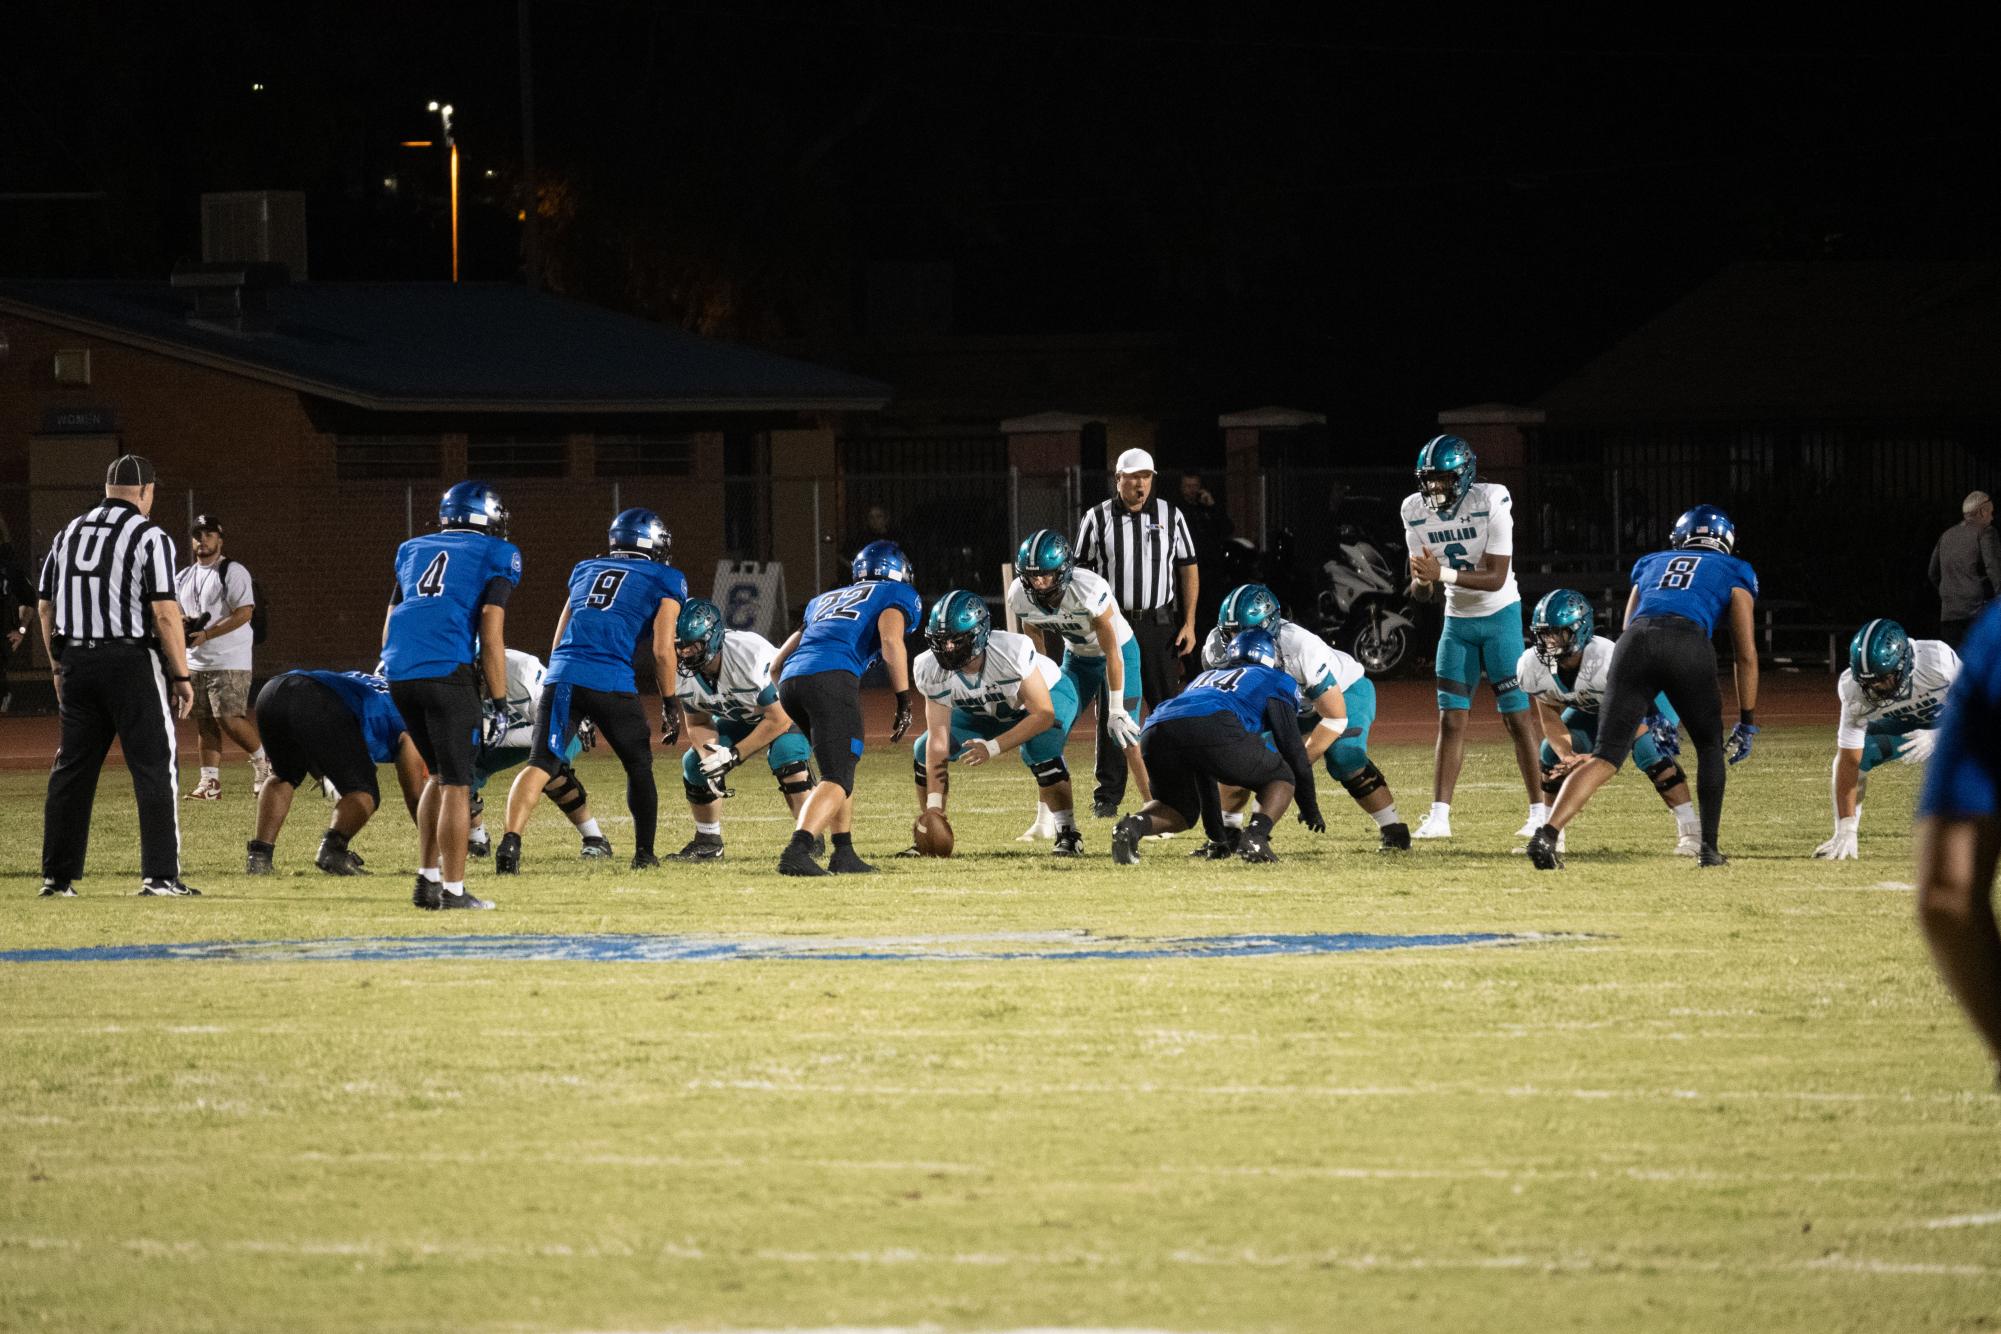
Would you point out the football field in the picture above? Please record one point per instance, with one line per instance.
(1439, 1091)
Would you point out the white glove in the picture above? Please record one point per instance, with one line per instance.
(718, 758)
(1122, 727)
(1918, 747)
(1841, 848)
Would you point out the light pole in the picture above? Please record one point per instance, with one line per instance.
(452, 167)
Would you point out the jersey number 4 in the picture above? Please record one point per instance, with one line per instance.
(604, 588)
(1680, 572)
(432, 581)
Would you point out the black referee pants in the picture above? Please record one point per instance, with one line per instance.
(119, 692)
(1668, 655)
(1157, 682)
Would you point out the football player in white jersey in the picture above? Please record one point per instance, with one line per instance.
(1461, 534)
(524, 686)
(1100, 657)
(1338, 709)
(1891, 697)
(726, 693)
(1564, 673)
(987, 691)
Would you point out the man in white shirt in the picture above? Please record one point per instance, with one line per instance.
(216, 605)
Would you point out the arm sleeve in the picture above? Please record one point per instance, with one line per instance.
(1184, 545)
(1282, 720)
(496, 593)
(1501, 526)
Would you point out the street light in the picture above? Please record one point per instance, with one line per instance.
(452, 167)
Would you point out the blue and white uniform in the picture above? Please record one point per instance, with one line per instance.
(1317, 667)
(1963, 779)
(1483, 630)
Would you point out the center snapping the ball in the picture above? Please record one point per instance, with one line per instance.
(932, 834)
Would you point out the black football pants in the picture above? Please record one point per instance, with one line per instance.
(1668, 655)
(114, 692)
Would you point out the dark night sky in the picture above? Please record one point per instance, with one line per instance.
(1348, 208)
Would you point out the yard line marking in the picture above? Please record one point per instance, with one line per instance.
(1125, 1090)
(1965, 1220)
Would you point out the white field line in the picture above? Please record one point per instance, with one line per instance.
(797, 1089)
(1566, 1262)
(1964, 1220)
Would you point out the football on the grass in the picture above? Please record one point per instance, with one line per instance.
(932, 834)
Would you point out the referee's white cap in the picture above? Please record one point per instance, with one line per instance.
(1134, 460)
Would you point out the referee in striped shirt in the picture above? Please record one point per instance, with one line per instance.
(112, 625)
(1140, 544)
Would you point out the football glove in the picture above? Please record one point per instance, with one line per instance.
(670, 724)
(1918, 747)
(1841, 848)
(906, 702)
(1123, 729)
(497, 720)
(1666, 733)
(1738, 745)
(718, 786)
(1310, 817)
(587, 735)
(718, 758)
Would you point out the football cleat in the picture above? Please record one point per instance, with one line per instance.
(257, 858)
(260, 774)
(1711, 857)
(462, 900)
(58, 889)
(1543, 850)
(1256, 847)
(155, 887)
(507, 857)
(208, 789)
(427, 894)
(797, 861)
(1529, 827)
(334, 858)
(846, 861)
(1215, 850)
(1069, 843)
(1688, 845)
(1125, 839)
(1436, 826)
(700, 848)
(644, 861)
(479, 843)
(1044, 826)
(1560, 835)
(1396, 838)
(595, 847)
(1104, 810)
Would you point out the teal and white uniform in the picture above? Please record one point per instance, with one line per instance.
(524, 687)
(1882, 729)
(1084, 600)
(737, 699)
(1582, 696)
(1318, 667)
(988, 703)
(1483, 631)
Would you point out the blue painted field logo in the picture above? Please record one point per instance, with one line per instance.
(984, 948)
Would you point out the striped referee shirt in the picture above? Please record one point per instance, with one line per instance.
(1137, 551)
(105, 570)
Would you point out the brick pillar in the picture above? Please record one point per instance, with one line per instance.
(1498, 433)
(1245, 458)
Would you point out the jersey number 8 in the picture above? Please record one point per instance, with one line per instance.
(1680, 572)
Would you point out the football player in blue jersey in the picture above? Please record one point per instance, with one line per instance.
(819, 672)
(1959, 833)
(616, 600)
(1209, 734)
(339, 725)
(1677, 598)
(450, 601)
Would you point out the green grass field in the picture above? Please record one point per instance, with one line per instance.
(1716, 1100)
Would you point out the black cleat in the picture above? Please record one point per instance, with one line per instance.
(478, 844)
(846, 861)
(1215, 850)
(1069, 842)
(334, 858)
(644, 861)
(1711, 857)
(1396, 838)
(797, 861)
(1542, 850)
(427, 894)
(1125, 839)
(257, 858)
(462, 900)
(507, 857)
(1104, 810)
(912, 851)
(596, 847)
(58, 889)
(158, 888)
(1255, 846)
(700, 848)
(819, 845)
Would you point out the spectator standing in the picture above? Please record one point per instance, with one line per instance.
(1209, 527)
(112, 627)
(1966, 567)
(17, 601)
(1141, 545)
(217, 600)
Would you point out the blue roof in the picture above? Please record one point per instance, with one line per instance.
(437, 346)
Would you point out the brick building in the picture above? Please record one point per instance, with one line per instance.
(321, 421)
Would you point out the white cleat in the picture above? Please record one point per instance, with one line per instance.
(1688, 845)
(1435, 826)
(1043, 828)
(1534, 823)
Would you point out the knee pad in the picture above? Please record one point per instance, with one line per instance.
(1050, 772)
(567, 791)
(1666, 775)
(1360, 785)
(1350, 755)
(693, 781)
(919, 769)
(795, 778)
(1550, 786)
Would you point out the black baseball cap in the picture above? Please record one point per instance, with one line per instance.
(205, 523)
(129, 470)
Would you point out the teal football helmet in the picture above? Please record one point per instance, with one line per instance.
(1445, 471)
(698, 633)
(1561, 625)
(1881, 658)
(957, 628)
(1248, 607)
(1042, 553)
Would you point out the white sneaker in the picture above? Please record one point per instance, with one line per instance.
(1688, 845)
(1436, 826)
(1043, 828)
(260, 774)
(209, 789)
(1528, 830)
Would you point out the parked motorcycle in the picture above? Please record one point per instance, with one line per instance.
(1365, 610)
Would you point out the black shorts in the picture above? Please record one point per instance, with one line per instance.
(308, 729)
(1183, 753)
(1659, 655)
(827, 706)
(442, 713)
(619, 716)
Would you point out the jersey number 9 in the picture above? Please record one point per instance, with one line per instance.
(604, 589)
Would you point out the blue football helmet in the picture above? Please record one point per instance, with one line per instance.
(1446, 469)
(642, 532)
(698, 634)
(1561, 625)
(1705, 526)
(1044, 552)
(883, 560)
(957, 628)
(1253, 646)
(1248, 607)
(473, 505)
(1881, 658)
